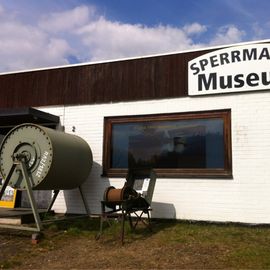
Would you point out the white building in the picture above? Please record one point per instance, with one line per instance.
(200, 118)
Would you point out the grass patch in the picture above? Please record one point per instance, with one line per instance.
(9, 264)
(236, 246)
(170, 245)
(74, 226)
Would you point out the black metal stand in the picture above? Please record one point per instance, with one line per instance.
(55, 194)
(123, 211)
(33, 204)
(21, 165)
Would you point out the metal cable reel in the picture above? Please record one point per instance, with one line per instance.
(54, 160)
(33, 157)
(132, 202)
(113, 196)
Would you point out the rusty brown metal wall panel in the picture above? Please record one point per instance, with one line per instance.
(127, 80)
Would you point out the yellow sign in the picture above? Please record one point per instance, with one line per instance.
(9, 197)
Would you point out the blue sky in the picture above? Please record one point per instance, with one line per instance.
(42, 33)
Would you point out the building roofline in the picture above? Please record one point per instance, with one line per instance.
(136, 57)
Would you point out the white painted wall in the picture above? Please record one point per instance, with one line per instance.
(245, 198)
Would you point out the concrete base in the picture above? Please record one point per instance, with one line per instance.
(17, 216)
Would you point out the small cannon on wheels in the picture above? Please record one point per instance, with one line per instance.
(33, 157)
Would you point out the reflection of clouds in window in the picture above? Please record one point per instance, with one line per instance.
(214, 126)
(147, 143)
(179, 144)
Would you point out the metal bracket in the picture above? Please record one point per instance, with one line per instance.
(84, 202)
(55, 194)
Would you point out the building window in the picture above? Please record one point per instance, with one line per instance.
(196, 144)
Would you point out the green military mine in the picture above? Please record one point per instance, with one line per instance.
(54, 159)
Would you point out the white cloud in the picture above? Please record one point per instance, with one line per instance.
(82, 33)
(194, 28)
(66, 20)
(228, 34)
(24, 46)
(105, 39)
(259, 31)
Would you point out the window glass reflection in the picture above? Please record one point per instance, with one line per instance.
(196, 143)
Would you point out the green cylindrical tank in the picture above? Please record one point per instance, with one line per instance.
(54, 159)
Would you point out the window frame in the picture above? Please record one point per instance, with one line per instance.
(226, 172)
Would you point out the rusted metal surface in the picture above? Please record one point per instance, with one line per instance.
(113, 194)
